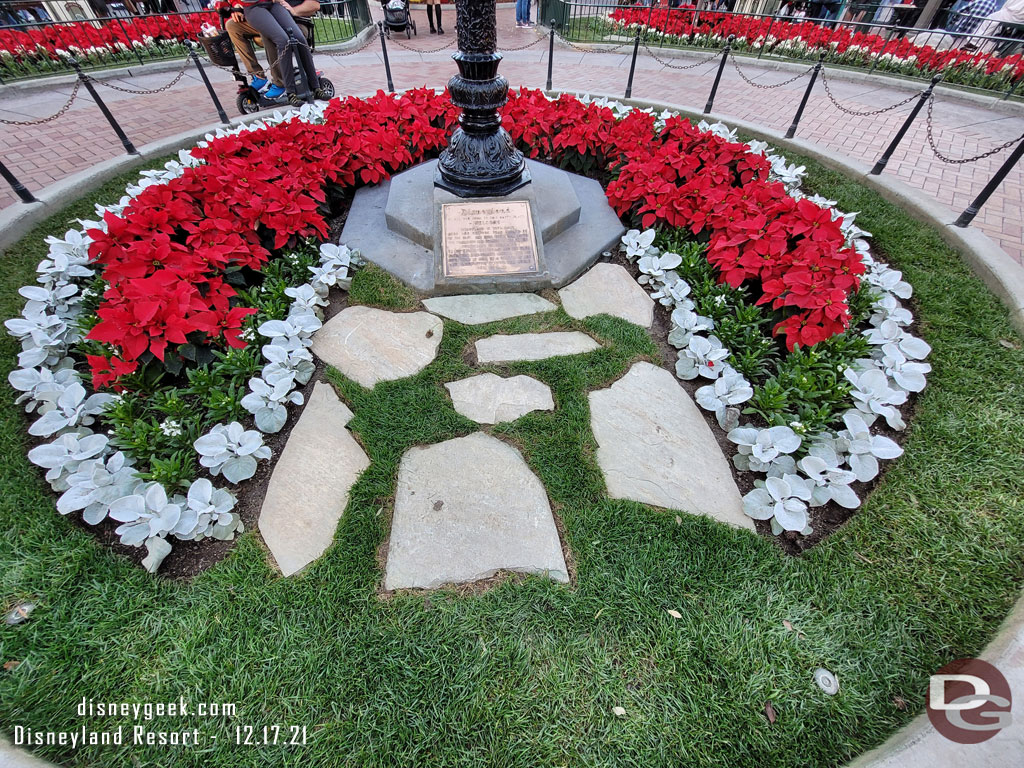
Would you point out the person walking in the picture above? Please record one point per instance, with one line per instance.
(434, 6)
(274, 21)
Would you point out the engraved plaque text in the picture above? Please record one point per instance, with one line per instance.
(494, 238)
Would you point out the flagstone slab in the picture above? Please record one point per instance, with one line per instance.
(490, 399)
(466, 509)
(655, 447)
(372, 345)
(475, 309)
(309, 489)
(533, 346)
(610, 290)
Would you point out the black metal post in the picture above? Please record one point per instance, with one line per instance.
(387, 64)
(551, 53)
(481, 160)
(206, 81)
(888, 37)
(1012, 88)
(718, 76)
(126, 37)
(125, 141)
(19, 189)
(972, 210)
(807, 94)
(766, 35)
(925, 95)
(632, 64)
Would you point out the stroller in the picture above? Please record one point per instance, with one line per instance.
(249, 100)
(397, 17)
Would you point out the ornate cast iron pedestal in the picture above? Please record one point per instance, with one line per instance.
(480, 160)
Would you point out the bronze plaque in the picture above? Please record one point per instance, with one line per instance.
(494, 238)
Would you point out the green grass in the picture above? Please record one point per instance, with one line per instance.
(527, 673)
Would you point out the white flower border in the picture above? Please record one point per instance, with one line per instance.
(82, 466)
(880, 383)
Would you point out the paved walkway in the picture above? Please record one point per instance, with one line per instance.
(41, 154)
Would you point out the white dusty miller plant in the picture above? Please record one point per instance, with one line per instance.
(81, 466)
(231, 450)
(801, 474)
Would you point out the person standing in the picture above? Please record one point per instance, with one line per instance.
(523, 14)
(434, 6)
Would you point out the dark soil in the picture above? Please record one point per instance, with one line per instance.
(188, 558)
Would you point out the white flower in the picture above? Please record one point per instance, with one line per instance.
(830, 483)
(703, 356)
(232, 450)
(874, 397)
(783, 500)
(763, 446)
(865, 449)
(729, 390)
(171, 428)
(685, 323)
(637, 242)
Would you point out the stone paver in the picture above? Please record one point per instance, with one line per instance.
(490, 399)
(487, 307)
(533, 346)
(40, 154)
(466, 509)
(372, 345)
(608, 289)
(655, 447)
(309, 489)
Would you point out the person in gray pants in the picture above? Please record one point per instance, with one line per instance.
(273, 21)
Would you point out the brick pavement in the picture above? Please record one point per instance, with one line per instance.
(41, 154)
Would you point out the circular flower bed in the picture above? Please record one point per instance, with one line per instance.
(775, 301)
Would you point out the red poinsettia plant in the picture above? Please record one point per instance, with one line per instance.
(172, 258)
(768, 32)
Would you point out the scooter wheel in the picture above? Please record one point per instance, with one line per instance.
(247, 104)
(327, 87)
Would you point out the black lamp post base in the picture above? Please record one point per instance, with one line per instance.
(481, 166)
